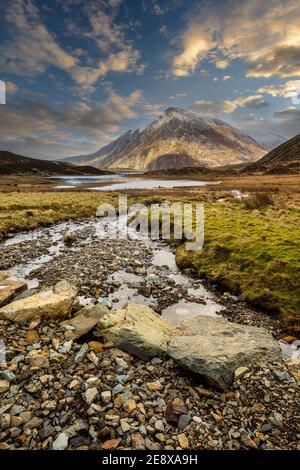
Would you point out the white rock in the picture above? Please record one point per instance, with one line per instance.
(61, 442)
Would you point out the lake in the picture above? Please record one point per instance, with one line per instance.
(120, 182)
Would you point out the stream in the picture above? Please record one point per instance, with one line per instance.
(113, 270)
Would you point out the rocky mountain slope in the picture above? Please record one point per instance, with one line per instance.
(13, 164)
(285, 159)
(179, 138)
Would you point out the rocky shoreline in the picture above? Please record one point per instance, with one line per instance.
(63, 392)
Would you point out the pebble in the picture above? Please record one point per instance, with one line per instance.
(79, 357)
(183, 441)
(106, 396)
(90, 395)
(61, 442)
(4, 386)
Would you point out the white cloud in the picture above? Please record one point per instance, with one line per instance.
(286, 90)
(33, 48)
(266, 38)
(229, 106)
(222, 64)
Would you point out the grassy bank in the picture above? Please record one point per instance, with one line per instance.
(255, 253)
(26, 211)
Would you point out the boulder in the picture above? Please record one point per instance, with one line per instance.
(52, 303)
(9, 288)
(86, 319)
(214, 348)
(136, 329)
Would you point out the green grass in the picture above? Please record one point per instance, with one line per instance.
(26, 211)
(255, 253)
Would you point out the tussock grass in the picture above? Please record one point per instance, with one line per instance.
(257, 200)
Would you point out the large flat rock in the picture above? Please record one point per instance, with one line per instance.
(9, 288)
(86, 319)
(214, 348)
(136, 329)
(53, 303)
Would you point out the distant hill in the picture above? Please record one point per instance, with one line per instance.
(285, 159)
(13, 164)
(178, 139)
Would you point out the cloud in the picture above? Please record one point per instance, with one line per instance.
(195, 47)
(178, 95)
(32, 48)
(286, 90)
(266, 38)
(31, 127)
(282, 123)
(229, 106)
(222, 64)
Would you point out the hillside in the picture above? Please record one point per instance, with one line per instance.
(13, 164)
(179, 138)
(285, 159)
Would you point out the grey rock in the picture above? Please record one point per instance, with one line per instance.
(214, 348)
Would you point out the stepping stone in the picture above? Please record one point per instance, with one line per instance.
(9, 288)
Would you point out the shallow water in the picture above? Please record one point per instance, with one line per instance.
(151, 184)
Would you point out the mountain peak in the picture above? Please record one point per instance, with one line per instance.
(178, 138)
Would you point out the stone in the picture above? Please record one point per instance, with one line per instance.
(32, 336)
(38, 360)
(214, 348)
(121, 364)
(289, 339)
(136, 329)
(81, 353)
(4, 421)
(183, 441)
(174, 410)
(154, 386)
(159, 425)
(90, 395)
(106, 396)
(117, 389)
(7, 375)
(4, 386)
(248, 442)
(16, 421)
(9, 288)
(124, 425)
(96, 346)
(33, 423)
(184, 421)
(137, 441)
(240, 372)
(86, 319)
(111, 444)
(129, 406)
(61, 442)
(53, 303)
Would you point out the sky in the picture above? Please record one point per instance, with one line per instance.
(79, 73)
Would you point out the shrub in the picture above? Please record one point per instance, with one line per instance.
(257, 200)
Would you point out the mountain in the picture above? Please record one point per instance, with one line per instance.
(179, 138)
(285, 159)
(268, 140)
(13, 164)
